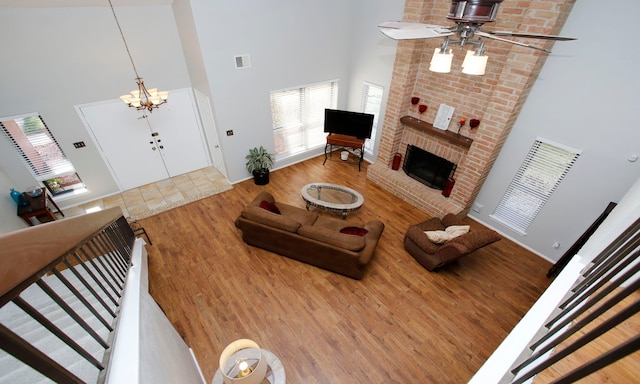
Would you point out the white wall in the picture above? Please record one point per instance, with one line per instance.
(56, 58)
(9, 220)
(290, 44)
(586, 97)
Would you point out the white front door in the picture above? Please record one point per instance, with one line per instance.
(180, 138)
(126, 143)
(166, 143)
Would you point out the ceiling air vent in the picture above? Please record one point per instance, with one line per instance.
(242, 61)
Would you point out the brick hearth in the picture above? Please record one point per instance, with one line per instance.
(417, 194)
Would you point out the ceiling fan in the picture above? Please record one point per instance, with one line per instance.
(468, 16)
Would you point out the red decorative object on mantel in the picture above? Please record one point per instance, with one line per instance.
(473, 123)
(415, 100)
(422, 108)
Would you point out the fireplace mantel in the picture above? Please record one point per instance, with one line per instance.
(428, 128)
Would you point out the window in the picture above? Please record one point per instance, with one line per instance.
(298, 116)
(371, 103)
(41, 153)
(539, 175)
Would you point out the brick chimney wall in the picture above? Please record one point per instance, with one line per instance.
(495, 99)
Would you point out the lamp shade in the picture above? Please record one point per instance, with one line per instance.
(474, 64)
(441, 61)
(242, 362)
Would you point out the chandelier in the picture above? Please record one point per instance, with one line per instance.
(141, 98)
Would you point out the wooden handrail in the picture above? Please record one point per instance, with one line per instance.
(25, 252)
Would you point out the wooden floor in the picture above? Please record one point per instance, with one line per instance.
(400, 324)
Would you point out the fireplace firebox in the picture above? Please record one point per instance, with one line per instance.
(429, 169)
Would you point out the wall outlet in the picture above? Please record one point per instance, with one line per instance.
(477, 207)
(79, 144)
(230, 132)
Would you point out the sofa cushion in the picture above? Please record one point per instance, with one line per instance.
(335, 224)
(271, 219)
(332, 237)
(300, 215)
(269, 206)
(358, 231)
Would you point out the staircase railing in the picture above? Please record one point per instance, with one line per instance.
(79, 267)
(603, 298)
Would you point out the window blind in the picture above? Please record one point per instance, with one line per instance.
(298, 116)
(36, 146)
(371, 103)
(540, 174)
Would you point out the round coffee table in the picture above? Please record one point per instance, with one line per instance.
(332, 197)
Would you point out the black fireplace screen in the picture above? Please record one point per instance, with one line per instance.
(427, 168)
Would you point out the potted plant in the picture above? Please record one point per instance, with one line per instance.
(259, 161)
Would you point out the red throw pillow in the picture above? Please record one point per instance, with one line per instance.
(269, 206)
(354, 231)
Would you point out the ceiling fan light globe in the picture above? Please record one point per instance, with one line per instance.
(441, 62)
(474, 65)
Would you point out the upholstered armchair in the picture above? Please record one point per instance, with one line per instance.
(432, 255)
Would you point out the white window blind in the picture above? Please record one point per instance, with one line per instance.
(543, 169)
(40, 152)
(371, 103)
(298, 116)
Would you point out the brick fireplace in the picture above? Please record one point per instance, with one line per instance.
(495, 99)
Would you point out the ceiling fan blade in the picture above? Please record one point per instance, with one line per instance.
(400, 30)
(531, 35)
(490, 36)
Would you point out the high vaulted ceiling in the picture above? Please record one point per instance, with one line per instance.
(78, 3)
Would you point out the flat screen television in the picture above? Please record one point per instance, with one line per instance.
(348, 123)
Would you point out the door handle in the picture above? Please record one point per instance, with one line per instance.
(153, 148)
(162, 147)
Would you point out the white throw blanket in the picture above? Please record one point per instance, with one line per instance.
(441, 237)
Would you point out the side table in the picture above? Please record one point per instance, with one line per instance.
(344, 141)
(38, 207)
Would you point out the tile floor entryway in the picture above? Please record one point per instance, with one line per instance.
(163, 195)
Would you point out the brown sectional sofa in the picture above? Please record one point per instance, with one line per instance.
(309, 237)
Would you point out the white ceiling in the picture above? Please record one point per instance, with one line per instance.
(77, 3)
